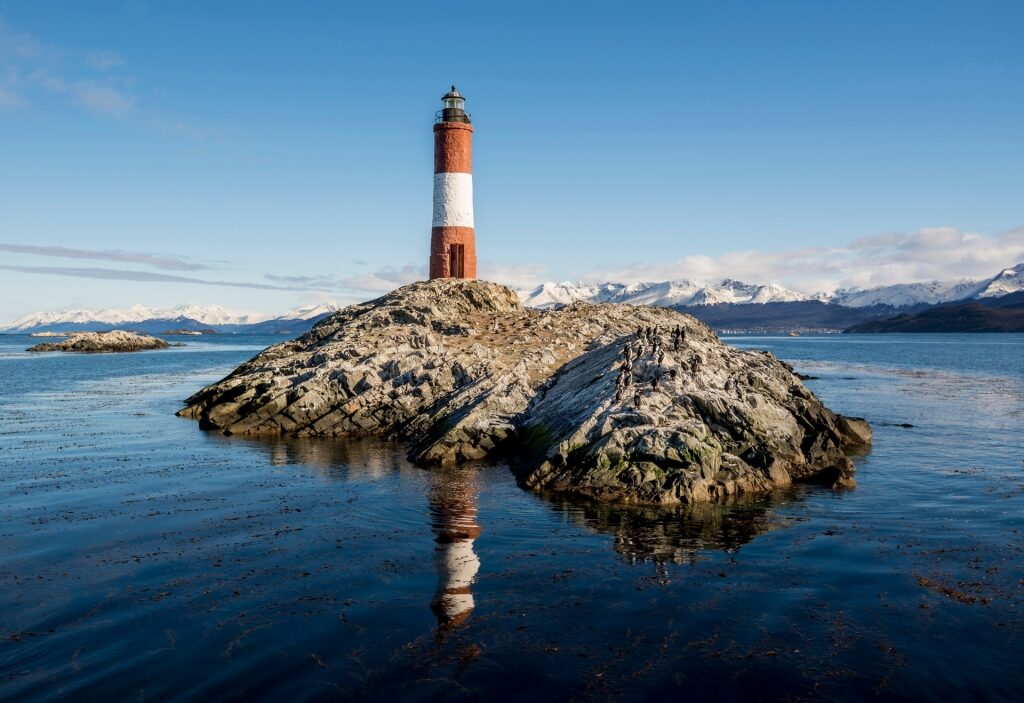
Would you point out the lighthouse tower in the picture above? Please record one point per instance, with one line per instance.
(452, 245)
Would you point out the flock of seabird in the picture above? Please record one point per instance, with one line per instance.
(648, 337)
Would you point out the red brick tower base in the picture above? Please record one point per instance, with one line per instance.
(452, 252)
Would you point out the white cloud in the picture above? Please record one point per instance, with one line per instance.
(102, 99)
(385, 279)
(518, 277)
(942, 253)
(389, 278)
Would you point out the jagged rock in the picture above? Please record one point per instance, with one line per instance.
(856, 430)
(113, 341)
(461, 371)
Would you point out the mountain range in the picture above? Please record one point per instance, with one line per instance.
(184, 317)
(686, 293)
(731, 305)
(1004, 313)
(726, 305)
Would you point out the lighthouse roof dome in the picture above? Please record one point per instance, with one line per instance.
(452, 94)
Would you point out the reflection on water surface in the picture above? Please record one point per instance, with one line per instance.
(453, 496)
(679, 534)
(674, 534)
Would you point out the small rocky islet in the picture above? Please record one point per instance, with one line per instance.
(98, 342)
(615, 402)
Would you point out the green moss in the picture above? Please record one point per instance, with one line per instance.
(691, 455)
(576, 454)
(537, 438)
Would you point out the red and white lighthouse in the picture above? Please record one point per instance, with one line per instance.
(452, 244)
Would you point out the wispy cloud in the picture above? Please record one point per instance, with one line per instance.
(943, 253)
(352, 287)
(160, 261)
(31, 69)
(322, 282)
(20, 45)
(140, 276)
(385, 279)
(8, 99)
(103, 99)
(103, 60)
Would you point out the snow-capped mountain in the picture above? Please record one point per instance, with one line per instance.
(664, 294)
(308, 312)
(109, 316)
(1007, 281)
(905, 294)
(690, 293)
(208, 315)
(550, 293)
(730, 291)
(213, 315)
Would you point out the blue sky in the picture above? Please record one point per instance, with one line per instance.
(288, 149)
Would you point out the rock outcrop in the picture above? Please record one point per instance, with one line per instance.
(617, 402)
(92, 342)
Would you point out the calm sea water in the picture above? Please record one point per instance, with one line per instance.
(141, 558)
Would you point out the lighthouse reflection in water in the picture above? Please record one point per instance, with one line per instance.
(453, 495)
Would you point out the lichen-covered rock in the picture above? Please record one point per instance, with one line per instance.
(617, 402)
(93, 342)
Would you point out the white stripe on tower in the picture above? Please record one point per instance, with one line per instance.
(453, 200)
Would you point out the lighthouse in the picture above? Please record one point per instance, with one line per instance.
(452, 244)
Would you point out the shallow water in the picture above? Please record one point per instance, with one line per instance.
(143, 558)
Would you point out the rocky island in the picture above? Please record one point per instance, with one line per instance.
(617, 402)
(94, 342)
